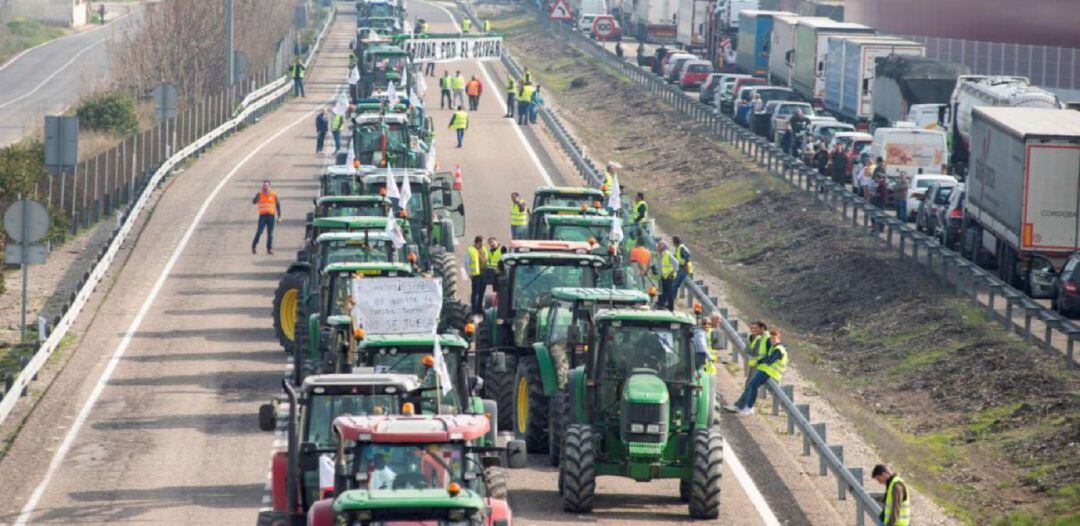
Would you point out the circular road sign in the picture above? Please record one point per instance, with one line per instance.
(604, 27)
(36, 217)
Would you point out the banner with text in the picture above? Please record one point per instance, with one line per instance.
(450, 49)
(397, 305)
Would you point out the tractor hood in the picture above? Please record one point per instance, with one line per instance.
(645, 387)
(401, 499)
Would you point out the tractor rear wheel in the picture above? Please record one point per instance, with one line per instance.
(455, 315)
(578, 472)
(302, 366)
(499, 386)
(530, 406)
(287, 295)
(496, 482)
(708, 467)
(684, 490)
(446, 266)
(558, 416)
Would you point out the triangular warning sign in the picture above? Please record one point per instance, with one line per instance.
(560, 11)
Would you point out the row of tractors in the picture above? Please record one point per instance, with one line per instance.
(569, 358)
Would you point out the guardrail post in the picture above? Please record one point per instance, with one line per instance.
(1070, 335)
(818, 428)
(789, 392)
(838, 450)
(1050, 323)
(1030, 311)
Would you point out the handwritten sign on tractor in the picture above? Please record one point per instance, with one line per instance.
(397, 305)
(450, 49)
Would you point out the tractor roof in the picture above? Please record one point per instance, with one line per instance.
(365, 235)
(403, 269)
(367, 198)
(400, 429)
(634, 297)
(579, 220)
(336, 382)
(551, 258)
(569, 210)
(407, 499)
(426, 340)
(353, 222)
(384, 49)
(632, 315)
(340, 169)
(568, 190)
(373, 175)
(375, 118)
(525, 246)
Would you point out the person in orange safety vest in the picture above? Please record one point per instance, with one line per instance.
(269, 209)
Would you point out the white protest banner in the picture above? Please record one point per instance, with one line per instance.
(450, 49)
(386, 305)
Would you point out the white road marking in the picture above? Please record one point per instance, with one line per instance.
(23, 53)
(54, 74)
(118, 354)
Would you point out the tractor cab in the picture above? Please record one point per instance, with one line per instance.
(592, 229)
(312, 408)
(367, 246)
(413, 468)
(384, 140)
(351, 205)
(538, 217)
(436, 210)
(382, 63)
(338, 179)
(379, 9)
(414, 355)
(640, 406)
(567, 196)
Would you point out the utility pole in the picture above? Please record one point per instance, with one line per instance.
(229, 40)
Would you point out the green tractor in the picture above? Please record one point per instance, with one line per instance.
(380, 64)
(641, 406)
(568, 196)
(543, 373)
(389, 139)
(338, 179)
(538, 217)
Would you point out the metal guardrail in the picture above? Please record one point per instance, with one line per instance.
(1021, 314)
(849, 479)
(18, 387)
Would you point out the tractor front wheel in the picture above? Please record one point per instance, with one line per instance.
(705, 480)
(578, 473)
(530, 406)
(455, 315)
(286, 297)
(558, 416)
(495, 477)
(446, 266)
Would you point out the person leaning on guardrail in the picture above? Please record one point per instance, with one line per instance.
(897, 508)
(772, 365)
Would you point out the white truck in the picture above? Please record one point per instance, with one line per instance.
(654, 21)
(1023, 193)
(692, 21)
(782, 48)
(729, 12)
(973, 91)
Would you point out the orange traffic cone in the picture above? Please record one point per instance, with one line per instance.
(457, 177)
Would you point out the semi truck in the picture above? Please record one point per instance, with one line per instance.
(914, 89)
(782, 48)
(850, 66)
(1023, 194)
(973, 91)
(811, 45)
(690, 29)
(752, 52)
(654, 20)
(731, 9)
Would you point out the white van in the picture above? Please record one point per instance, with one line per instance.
(908, 148)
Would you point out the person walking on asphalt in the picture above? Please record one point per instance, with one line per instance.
(473, 89)
(524, 99)
(337, 122)
(511, 94)
(494, 256)
(459, 122)
(269, 210)
(476, 262)
(686, 267)
(322, 125)
(445, 83)
(618, 50)
(297, 73)
(457, 83)
(519, 217)
(535, 104)
(640, 54)
(669, 269)
(771, 366)
(897, 509)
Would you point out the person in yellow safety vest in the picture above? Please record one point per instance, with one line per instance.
(511, 94)
(457, 83)
(424, 27)
(269, 210)
(686, 267)
(487, 26)
(494, 257)
(459, 122)
(524, 100)
(771, 366)
(519, 217)
(669, 268)
(897, 510)
(527, 77)
(445, 85)
(466, 25)
(337, 122)
(476, 262)
(641, 209)
(610, 172)
(296, 72)
(708, 325)
(758, 345)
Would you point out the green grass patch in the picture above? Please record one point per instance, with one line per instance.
(711, 201)
(21, 34)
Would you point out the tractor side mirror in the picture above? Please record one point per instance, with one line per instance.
(267, 417)
(309, 459)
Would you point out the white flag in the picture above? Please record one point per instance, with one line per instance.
(421, 85)
(342, 105)
(614, 201)
(431, 158)
(393, 231)
(406, 191)
(391, 187)
(616, 234)
(391, 93)
(354, 76)
(441, 369)
(326, 472)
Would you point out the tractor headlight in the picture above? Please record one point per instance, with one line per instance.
(652, 428)
(637, 428)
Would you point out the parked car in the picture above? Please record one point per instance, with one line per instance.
(585, 22)
(767, 93)
(727, 100)
(823, 131)
(952, 219)
(854, 143)
(782, 111)
(1066, 288)
(694, 73)
(918, 185)
(937, 198)
(710, 88)
(674, 63)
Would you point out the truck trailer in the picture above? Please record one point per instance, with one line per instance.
(654, 20)
(690, 29)
(811, 47)
(752, 53)
(914, 89)
(850, 66)
(782, 48)
(1023, 194)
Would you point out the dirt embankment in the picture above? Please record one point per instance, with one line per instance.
(977, 418)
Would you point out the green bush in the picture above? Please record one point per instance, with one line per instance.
(112, 112)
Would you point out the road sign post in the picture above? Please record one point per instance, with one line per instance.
(165, 97)
(61, 149)
(26, 222)
(561, 10)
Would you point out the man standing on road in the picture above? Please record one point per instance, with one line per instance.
(686, 267)
(473, 89)
(897, 509)
(900, 196)
(337, 122)
(640, 54)
(669, 269)
(641, 214)
(459, 122)
(445, 83)
(640, 256)
(297, 73)
(524, 100)
(269, 210)
(322, 125)
(511, 94)
(466, 26)
(838, 165)
(771, 366)
(535, 104)
(494, 256)
(618, 50)
(457, 83)
(519, 217)
(475, 262)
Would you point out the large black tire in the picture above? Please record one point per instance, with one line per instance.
(499, 386)
(289, 291)
(454, 316)
(558, 416)
(445, 265)
(302, 366)
(684, 490)
(714, 405)
(578, 472)
(708, 468)
(529, 389)
(496, 482)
